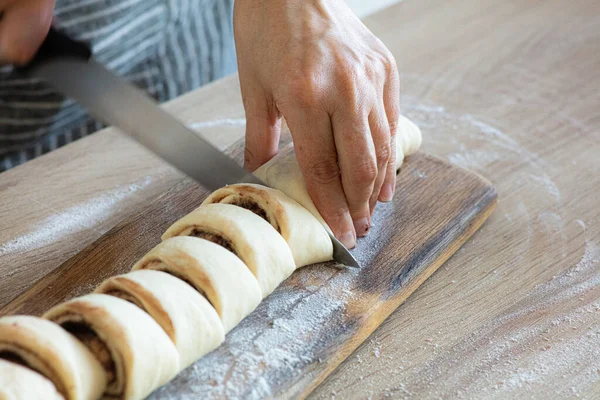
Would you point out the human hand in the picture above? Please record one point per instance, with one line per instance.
(315, 63)
(24, 25)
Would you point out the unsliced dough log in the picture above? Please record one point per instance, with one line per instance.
(305, 235)
(136, 352)
(48, 349)
(213, 271)
(21, 383)
(283, 172)
(408, 139)
(244, 233)
(185, 315)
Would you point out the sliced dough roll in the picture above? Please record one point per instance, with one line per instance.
(305, 235)
(48, 349)
(245, 234)
(188, 318)
(283, 172)
(134, 350)
(21, 383)
(213, 271)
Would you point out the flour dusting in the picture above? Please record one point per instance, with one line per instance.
(74, 219)
(279, 338)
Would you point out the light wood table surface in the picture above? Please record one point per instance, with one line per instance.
(510, 89)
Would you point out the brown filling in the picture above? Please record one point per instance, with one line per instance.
(14, 358)
(96, 345)
(213, 237)
(253, 206)
(48, 371)
(176, 275)
(125, 296)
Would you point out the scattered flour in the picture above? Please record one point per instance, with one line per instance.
(71, 220)
(282, 334)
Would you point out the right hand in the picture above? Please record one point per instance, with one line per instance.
(24, 24)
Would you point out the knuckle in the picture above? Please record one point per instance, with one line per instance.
(393, 126)
(364, 172)
(306, 90)
(324, 172)
(390, 64)
(383, 153)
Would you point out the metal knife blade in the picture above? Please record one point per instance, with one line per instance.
(113, 100)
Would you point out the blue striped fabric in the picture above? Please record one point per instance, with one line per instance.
(166, 47)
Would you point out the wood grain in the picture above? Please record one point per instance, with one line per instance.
(437, 208)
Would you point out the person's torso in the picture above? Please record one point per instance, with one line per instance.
(166, 47)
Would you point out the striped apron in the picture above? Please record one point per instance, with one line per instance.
(166, 47)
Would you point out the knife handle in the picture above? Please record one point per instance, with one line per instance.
(58, 45)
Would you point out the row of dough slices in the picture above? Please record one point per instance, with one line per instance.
(138, 330)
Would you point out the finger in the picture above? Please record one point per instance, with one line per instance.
(23, 28)
(380, 131)
(358, 166)
(391, 102)
(317, 157)
(263, 124)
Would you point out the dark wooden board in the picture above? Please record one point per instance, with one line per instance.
(317, 317)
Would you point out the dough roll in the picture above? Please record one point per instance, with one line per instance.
(45, 347)
(21, 383)
(246, 235)
(408, 139)
(188, 318)
(213, 271)
(283, 172)
(136, 353)
(305, 235)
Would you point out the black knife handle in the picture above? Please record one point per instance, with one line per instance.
(58, 45)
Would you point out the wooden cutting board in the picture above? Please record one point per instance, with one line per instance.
(317, 317)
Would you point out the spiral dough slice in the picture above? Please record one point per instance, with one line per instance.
(305, 235)
(188, 318)
(135, 351)
(246, 235)
(21, 383)
(45, 347)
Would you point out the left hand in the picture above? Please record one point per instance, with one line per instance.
(336, 84)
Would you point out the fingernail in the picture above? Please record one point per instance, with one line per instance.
(348, 239)
(387, 192)
(361, 226)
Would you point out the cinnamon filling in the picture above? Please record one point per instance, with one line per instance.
(44, 369)
(14, 358)
(253, 206)
(178, 276)
(96, 345)
(125, 296)
(213, 237)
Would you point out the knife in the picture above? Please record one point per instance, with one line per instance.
(68, 65)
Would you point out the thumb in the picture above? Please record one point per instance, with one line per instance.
(263, 125)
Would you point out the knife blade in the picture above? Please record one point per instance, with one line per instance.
(69, 67)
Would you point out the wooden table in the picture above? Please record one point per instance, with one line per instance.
(510, 89)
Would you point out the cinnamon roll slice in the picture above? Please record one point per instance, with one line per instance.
(135, 351)
(188, 318)
(244, 234)
(212, 270)
(21, 383)
(305, 235)
(46, 348)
